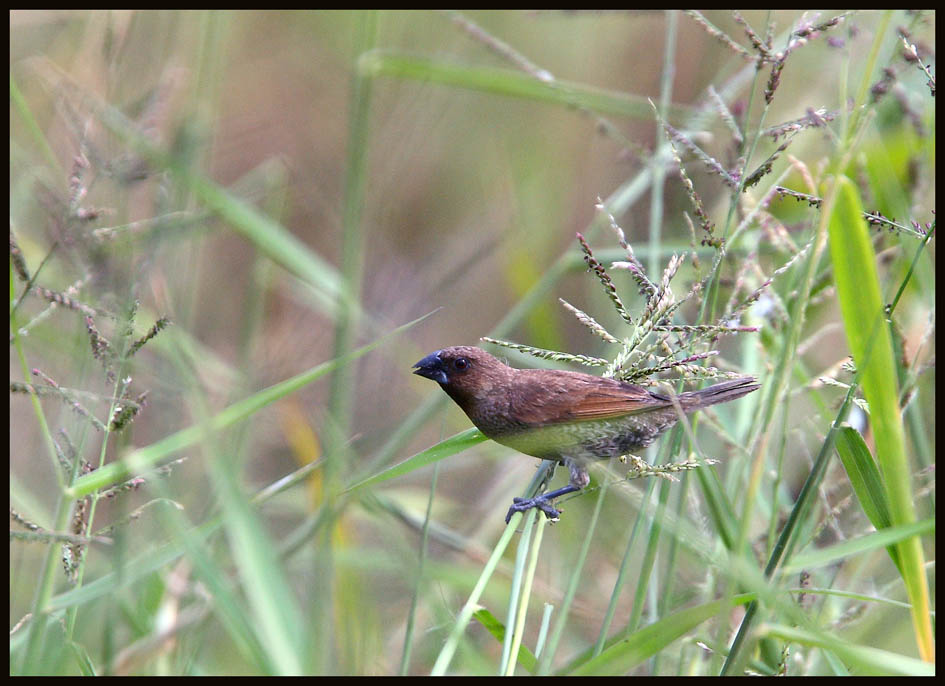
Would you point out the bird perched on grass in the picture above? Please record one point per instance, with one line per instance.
(569, 417)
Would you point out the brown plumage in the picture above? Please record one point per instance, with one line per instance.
(570, 417)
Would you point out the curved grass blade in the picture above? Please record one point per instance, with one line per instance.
(866, 481)
(854, 546)
(143, 458)
(620, 656)
(445, 448)
(865, 659)
(870, 341)
(526, 658)
(510, 83)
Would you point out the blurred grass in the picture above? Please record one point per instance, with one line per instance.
(378, 211)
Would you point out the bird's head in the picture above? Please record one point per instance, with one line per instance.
(467, 374)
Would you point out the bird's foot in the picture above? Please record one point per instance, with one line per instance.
(542, 502)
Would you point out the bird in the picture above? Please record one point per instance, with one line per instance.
(569, 417)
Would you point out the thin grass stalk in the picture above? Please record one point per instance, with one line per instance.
(526, 593)
(623, 571)
(711, 488)
(659, 168)
(543, 628)
(778, 479)
(191, 541)
(542, 475)
(649, 559)
(509, 658)
(341, 393)
(208, 82)
(918, 432)
(276, 617)
(208, 66)
(72, 613)
(40, 608)
(421, 563)
(452, 641)
(851, 122)
(544, 663)
(255, 601)
(662, 605)
(342, 384)
(708, 310)
(44, 587)
(804, 500)
(776, 389)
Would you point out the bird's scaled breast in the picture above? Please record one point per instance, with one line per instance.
(590, 439)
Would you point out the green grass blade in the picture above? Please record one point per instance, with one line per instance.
(472, 603)
(137, 568)
(533, 553)
(862, 544)
(866, 660)
(227, 603)
(277, 621)
(509, 83)
(445, 656)
(620, 656)
(516, 602)
(341, 398)
(866, 480)
(420, 577)
(526, 658)
(864, 476)
(858, 290)
(143, 458)
(445, 448)
(547, 655)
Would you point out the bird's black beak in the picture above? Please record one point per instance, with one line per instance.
(432, 367)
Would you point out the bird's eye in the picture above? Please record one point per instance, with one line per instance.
(461, 363)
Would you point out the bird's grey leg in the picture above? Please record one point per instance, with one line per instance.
(579, 478)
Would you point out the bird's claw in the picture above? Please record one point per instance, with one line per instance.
(525, 504)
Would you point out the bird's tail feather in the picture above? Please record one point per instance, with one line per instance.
(720, 393)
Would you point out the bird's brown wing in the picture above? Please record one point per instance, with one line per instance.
(558, 397)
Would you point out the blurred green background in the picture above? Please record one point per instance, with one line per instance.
(456, 198)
